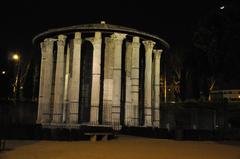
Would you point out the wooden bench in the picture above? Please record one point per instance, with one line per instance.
(94, 135)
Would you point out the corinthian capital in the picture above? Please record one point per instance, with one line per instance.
(77, 35)
(135, 42)
(148, 44)
(47, 44)
(157, 53)
(49, 41)
(61, 39)
(118, 36)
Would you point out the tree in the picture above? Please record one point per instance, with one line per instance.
(216, 41)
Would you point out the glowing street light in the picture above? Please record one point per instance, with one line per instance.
(15, 57)
(16, 85)
(3, 72)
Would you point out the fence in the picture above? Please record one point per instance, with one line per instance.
(204, 116)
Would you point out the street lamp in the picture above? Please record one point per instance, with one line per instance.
(3, 72)
(16, 57)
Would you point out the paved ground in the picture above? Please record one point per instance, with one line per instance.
(125, 147)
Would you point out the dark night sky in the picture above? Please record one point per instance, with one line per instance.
(171, 20)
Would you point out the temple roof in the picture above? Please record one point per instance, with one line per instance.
(103, 27)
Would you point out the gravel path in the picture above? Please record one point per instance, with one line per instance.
(125, 147)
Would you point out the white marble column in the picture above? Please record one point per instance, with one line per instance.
(45, 86)
(59, 81)
(128, 95)
(156, 106)
(148, 83)
(117, 67)
(96, 72)
(74, 82)
(135, 79)
(66, 85)
(108, 81)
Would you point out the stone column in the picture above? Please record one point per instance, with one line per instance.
(59, 81)
(148, 82)
(74, 82)
(45, 86)
(117, 66)
(156, 106)
(108, 81)
(135, 79)
(128, 96)
(96, 72)
(67, 62)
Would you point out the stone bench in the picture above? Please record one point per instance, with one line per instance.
(94, 135)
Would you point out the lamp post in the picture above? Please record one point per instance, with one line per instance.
(16, 85)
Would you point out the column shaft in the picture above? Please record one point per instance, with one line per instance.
(96, 73)
(128, 94)
(45, 81)
(59, 81)
(108, 81)
(156, 110)
(135, 80)
(148, 83)
(66, 85)
(74, 83)
(117, 41)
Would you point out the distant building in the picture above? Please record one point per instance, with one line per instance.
(231, 95)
